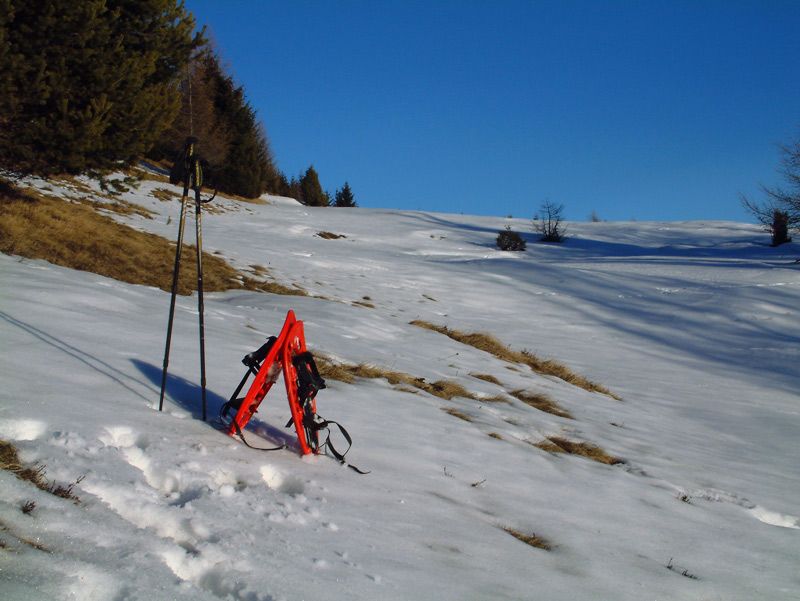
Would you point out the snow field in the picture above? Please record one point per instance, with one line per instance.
(693, 325)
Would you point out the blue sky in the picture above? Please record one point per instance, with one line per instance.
(635, 110)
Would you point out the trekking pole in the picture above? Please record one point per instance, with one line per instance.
(198, 183)
(182, 171)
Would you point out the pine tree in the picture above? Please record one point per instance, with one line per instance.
(313, 195)
(88, 84)
(248, 168)
(344, 197)
(198, 115)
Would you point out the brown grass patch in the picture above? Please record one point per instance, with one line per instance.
(491, 345)
(259, 270)
(164, 194)
(78, 237)
(495, 435)
(345, 372)
(542, 402)
(497, 398)
(555, 444)
(330, 236)
(361, 303)
(487, 378)
(118, 206)
(9, 461)
(531, 539)
(456, 413)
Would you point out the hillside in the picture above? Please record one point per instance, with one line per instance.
(693, 326)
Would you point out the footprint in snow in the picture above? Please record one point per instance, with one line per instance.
(22, 429)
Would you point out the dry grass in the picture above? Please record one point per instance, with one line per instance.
(487, 378)
(555, 444)
(456, 413)
(78, 237)
(497, 398)
(491, 345)
(348, 373)
(361, 303)
(531, 539)
(542, 402)
(120, 207)
(9, 461)
(330, 236)
(164, 194)
(259, 270)
(495, 435)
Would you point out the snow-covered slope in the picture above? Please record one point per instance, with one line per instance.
(694, 325)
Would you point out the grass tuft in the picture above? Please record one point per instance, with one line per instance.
(330, 236)
(542, 402)
(555, 444)
(487, 378)
(456, 413)
(9, 461)
(531, 539)
(490, 344)
(345, 372)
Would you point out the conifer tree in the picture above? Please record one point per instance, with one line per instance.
(344, 197)
(248, 168)
(313, 195)
(198, 116)
(88, 84)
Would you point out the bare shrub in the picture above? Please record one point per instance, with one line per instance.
(550, 222)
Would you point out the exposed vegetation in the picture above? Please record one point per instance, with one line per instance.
(164, 194)
(9, 461)
(510, 240)
(79, 91)
(550, 222)
(542, 402)
(330, 236)
(345, 372)
(76, 236)
(779, 213)
(486, 378)
(457, 413)
(531, 539)
(555, 444)
(491, 345)
(344, 197)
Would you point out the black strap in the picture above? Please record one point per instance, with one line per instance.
(324, 424)
(247, 444)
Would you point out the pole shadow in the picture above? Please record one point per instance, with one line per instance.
(187, 395)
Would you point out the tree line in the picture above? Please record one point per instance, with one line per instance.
(99, 84)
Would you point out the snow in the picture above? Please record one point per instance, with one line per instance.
(694, 325)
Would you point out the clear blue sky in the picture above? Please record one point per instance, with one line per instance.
(640, 109)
